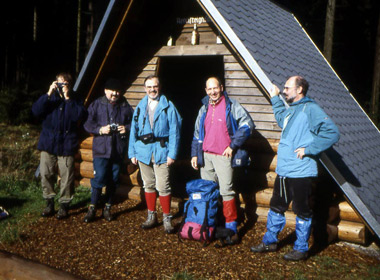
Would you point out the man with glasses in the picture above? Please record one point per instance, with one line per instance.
(153, 144)
(58, 142)
(306, 132)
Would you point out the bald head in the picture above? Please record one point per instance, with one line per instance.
(214, 88)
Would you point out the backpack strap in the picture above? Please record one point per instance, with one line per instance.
(205, 227)
(183, 220)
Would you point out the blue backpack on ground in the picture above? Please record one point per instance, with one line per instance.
(200, 211)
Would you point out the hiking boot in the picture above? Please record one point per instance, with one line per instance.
(63, 211)
(168, 227)
(107, 213)
(262, 248)
(151, 220)
(90, 216)
(49, 209)
(295, 256)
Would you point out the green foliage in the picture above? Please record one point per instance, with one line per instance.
(23, 201)
(16, 105)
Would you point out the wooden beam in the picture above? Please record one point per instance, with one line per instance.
(189, 50)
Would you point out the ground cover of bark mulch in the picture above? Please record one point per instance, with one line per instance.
(122, 250)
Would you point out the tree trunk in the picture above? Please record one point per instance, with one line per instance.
(329, 29)
(376, 79)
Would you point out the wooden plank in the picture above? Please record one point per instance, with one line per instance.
(145, 74)
(233, 67)
(258, 108)
(263, 117)
(229, 59)
(154, 60)
(134, 95)
(150, 67)
(193, 50)
(261, 100)
(239, 83)
(236, 75)
(138, 82)
(136, 89)
(134, 102)
(267, 126)
(251, 91)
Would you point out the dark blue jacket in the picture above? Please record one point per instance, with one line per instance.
(59, 135)
(98, 116)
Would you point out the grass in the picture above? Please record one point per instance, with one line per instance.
(23, 200)
(20, 191)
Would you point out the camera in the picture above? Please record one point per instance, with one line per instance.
(61, 85)
(113, 127)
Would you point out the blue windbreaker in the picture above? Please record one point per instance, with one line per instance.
(166, 123)
(304, 125)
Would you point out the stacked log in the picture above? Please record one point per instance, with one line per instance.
(130, 182)
(343, 222)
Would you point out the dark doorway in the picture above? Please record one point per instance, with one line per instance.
(183, 82)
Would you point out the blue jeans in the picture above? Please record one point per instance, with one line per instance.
(106, 172)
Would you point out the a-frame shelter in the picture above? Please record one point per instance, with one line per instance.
(250, 44)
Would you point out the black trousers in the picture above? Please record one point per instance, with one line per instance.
(297, 190)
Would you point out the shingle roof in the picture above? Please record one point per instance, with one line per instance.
(276, 41)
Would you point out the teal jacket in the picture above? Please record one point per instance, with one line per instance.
(304, 125)
(166, 127)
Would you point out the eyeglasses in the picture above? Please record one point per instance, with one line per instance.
(286, 88)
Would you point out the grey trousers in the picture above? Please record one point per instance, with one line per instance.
(48, 171)
(218, 168)
(155, 177)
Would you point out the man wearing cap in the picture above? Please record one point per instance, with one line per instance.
(153, 143)
(109, 120)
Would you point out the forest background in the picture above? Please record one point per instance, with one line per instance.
(44, 37)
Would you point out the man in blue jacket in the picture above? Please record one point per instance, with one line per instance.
(58, 142)
(306, 132)
(221, 129)
(109, 120)
(153, 144)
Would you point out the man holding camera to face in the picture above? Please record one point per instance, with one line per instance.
(109, 120)
(58, 142)
(153, 143)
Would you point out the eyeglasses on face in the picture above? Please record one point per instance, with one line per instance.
(287, 88)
